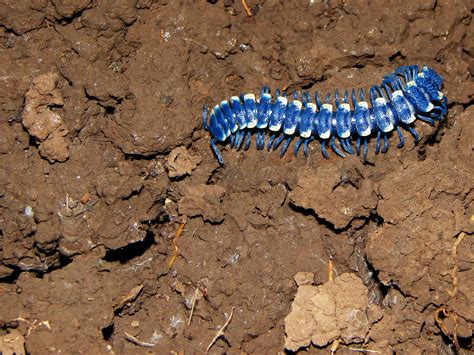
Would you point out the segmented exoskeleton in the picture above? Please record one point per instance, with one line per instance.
(404, 96)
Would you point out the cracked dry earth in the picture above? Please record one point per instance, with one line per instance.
(117, 222)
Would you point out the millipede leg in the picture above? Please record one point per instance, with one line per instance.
(270, 141)
(298, 145)
(385, 143)
(346, 144)
(323, 149)
(258, 140)
(217, 152)
(358, 146)
(247, 141)
(317, 99)
(306, 143)
(239, 140)
(377, 146)
(441, 109)
(426, 119)
(205, 110)
(278, 142)
(238, 144)
(438, 112)
(365, 149)
(262, 140)
(401, 137)
(285, 146)
(335, 148)
(444, 106)
(414, 133)
(234, 141)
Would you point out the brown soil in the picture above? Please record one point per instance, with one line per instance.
(103, 158)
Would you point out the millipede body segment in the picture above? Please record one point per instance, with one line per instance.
(408, 94)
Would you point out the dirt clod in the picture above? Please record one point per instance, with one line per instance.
(12, 343)
(42, 122)
(326, 313)
(350, 198)
(181, 162)
(203, 200)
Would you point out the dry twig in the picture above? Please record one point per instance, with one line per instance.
(196, 292)
(330, 271)
(365, 350)
(135, 341)
(454, 271)
(179, 231)
(439, 320)
(247, 8)
(221, 331)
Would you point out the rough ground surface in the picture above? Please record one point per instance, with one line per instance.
(103, 157)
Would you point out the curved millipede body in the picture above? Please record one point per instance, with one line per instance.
(408, 94)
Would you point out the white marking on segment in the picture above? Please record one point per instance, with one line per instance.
(290, 130)
(298, 104)
(249, 97)
(366, 132)
(235, 99)
(345, 106)
(305, 134)
(311, 106)
(283, 100)
(440, 95)
(397, 93)
(223, 103)
(381, 101)
(411, 83)
(325, 135)
(430, 107)
(411, 119)
(252, 123)
(421, 75)
(267, 96)
(327, 107)
(274, 128)
(363, 104)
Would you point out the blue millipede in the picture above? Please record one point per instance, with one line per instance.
(403, 97)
